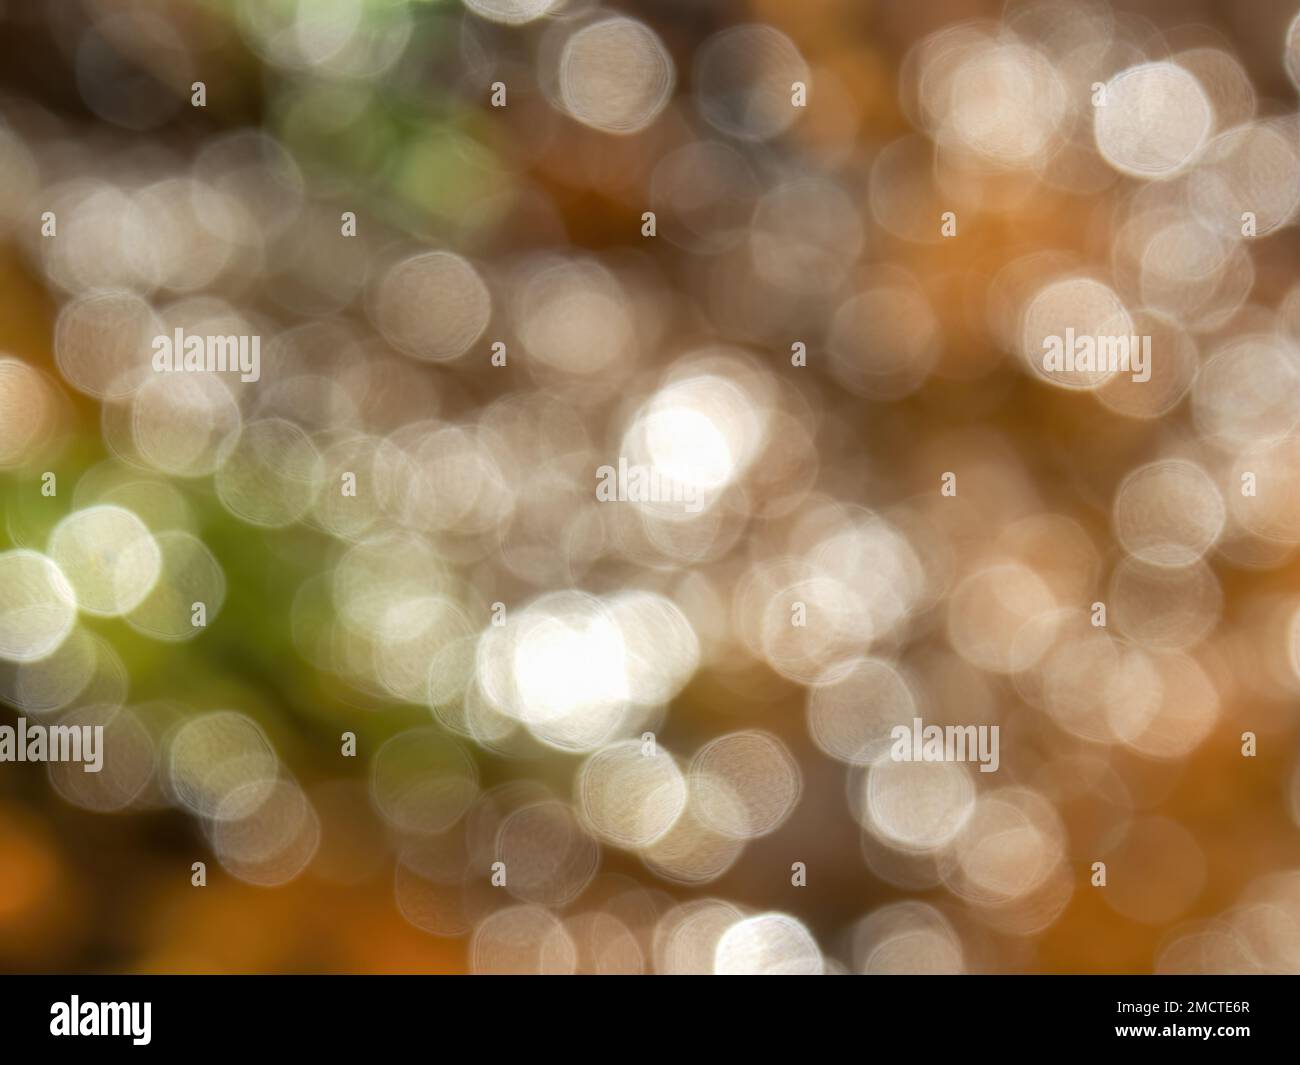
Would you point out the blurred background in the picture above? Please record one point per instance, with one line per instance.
(444, 710)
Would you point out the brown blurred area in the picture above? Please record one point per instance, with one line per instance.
(82, 891)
